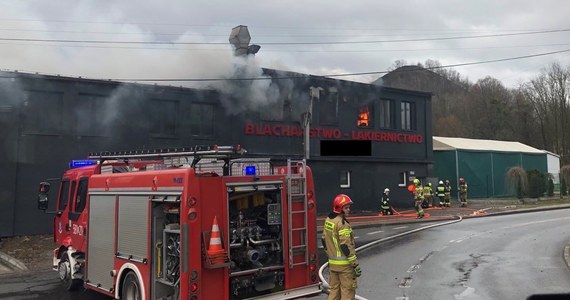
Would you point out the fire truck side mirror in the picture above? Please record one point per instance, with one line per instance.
(43, 196)
(44, 187)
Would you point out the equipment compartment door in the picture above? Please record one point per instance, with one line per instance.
(100, 254)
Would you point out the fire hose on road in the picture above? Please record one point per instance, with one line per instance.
(325, 284)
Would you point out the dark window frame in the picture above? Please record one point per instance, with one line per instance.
(362, 109)
(197, 119)
(345, 179)
(328, 109)
(93, 107)
(159, 113)
(63, 198)
(80, 199)
(42, 113)
(408, 115)
(383, 122)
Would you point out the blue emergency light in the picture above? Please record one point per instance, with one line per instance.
(250, 170)
(81, 163)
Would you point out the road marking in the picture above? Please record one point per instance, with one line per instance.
(375, 232)
(451, 241)
(535, 222)
(467, 293)
(402, 298)
(401, 227)
(413, 268)
(356, 237)
(406, 282)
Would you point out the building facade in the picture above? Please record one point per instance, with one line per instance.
(363, 138)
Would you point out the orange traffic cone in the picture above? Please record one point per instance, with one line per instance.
(216, 252)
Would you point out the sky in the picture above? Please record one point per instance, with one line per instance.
(186, 40)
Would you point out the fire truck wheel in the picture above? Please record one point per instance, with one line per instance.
(130, 289)
(64, 270)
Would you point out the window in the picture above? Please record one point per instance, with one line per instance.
(385, 114)
(345, 179)
(42, 112)
(163, 117)
(81, 196)
(328, 109)
(365, 114)
(408, 110)
(202, 120)
(63, 194)
(90, 114)
(403, 179)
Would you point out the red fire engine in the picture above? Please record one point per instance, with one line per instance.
(191, 223)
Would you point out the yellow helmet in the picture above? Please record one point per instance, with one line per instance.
(416, 181)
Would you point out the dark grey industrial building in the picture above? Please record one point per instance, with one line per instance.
(363, 137)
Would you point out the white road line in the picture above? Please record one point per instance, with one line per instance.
(535, 222)
(451, 241)
(375, 232)
(401, 227)
(356, 237)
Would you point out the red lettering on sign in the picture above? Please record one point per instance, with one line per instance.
(281, 130)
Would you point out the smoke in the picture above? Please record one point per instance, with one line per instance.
(248, 88)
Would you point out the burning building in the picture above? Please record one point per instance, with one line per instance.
(358, 138)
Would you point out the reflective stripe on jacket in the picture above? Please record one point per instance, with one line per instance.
(441, 190)
(337, 232)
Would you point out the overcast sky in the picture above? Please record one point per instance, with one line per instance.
(347, 36)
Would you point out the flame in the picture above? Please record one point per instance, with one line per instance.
(363, 118)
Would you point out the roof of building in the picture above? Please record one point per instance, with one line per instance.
(451, 143)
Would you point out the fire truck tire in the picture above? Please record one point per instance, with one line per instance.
(64, 270)
(131, 289)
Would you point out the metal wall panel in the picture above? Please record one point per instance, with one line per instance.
(132, 238)
(101, 227)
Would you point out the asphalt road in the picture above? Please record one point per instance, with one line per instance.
(502, 257)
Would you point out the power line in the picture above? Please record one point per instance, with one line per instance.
(345, 74)
(285, 43)
(258, 26)
(226, 49)
(360, 34)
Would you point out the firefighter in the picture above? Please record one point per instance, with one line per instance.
(386, 209)
(440, 189)
(428, 196)
(338, 242)
(463, 191)
(418, 198)
(447, 198)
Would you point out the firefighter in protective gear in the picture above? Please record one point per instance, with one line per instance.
(338, 242)
(463, 191)
(418, 198)
(386, 209)
(428, 196)
(447, 198)
(440, 190)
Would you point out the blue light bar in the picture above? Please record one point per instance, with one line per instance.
(81, 163)
(250, 170)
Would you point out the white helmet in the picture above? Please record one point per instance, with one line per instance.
(386, 190)
(441, 182)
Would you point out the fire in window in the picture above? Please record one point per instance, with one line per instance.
(364, 116)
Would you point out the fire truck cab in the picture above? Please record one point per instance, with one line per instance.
(193, 223)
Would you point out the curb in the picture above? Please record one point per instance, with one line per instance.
(451, 217)
(567, 255)
(12, 262)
